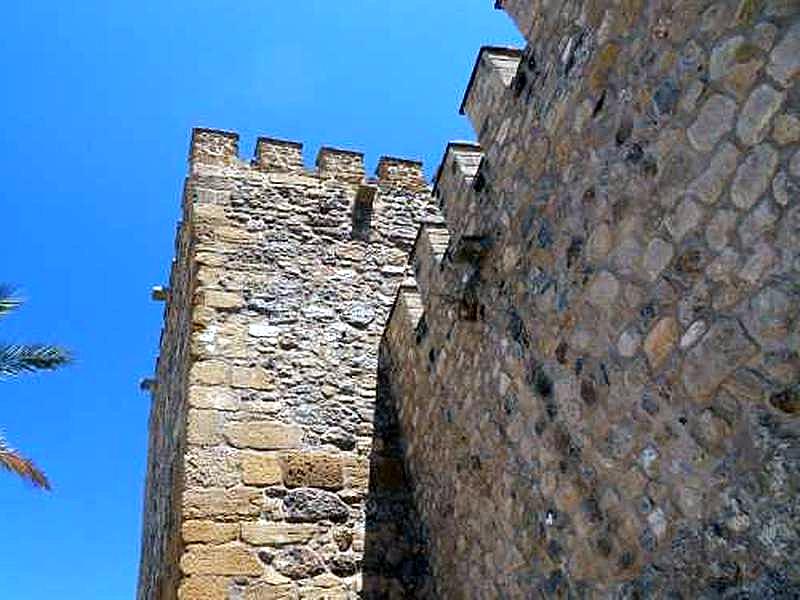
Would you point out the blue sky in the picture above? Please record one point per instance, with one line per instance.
(97, 103)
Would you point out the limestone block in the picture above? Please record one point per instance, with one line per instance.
(222, 300)
(204, 427)
(261, 469)
(228, 559)
(217, 398)
(256, 378)
(263, 435)
(209, 531)
(209, 372)
(201, 587)
(226, 504)
(264, 533)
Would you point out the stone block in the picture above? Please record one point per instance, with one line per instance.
(209, 531)
(209, 372)
(305, 505)
(718, 354)
(313, 469)
(226, 504)
(264, 533)
(200, 587)
(228, 559)
(256, 378)
(263, 435)
(204, 427)
(222, 300)
(216, 398)
(661, 340)
(261, 469)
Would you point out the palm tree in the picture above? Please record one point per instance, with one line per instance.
(24, 358)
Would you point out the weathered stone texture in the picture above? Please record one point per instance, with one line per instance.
(267, 375)
(596, 372)
(588, 380)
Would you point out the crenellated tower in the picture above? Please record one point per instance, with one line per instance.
(263, 428)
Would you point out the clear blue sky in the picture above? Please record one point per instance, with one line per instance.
(97, 102)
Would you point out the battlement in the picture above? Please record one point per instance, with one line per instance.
(492, 74)
(215, 152)
(280, 156)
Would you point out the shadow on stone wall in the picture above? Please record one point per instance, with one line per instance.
(396, 542)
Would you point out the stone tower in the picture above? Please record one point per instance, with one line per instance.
(588, 383)
(261, 431)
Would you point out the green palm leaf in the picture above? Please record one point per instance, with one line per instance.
(26, 358)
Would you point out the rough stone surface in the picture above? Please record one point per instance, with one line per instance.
(714, 120)
(753, 176)
(266, 381)
(595, 336)
(757, 113)
(310, 505)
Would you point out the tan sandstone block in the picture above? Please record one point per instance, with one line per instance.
(226, 504)
(203, 588)
(228, 559)
(262, 533)
(217, 398)
(661, 340)
(261, 469)
(204, 427)
(224, 300)
(270, 592)
(255, 378)
(209, 372)
(209, 531)
(313, 469)
(263, 435)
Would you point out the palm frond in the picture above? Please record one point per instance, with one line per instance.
(13, 461)
(26, 358)
(8, 301)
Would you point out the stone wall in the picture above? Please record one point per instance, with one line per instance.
(262, 479)
(596, 369)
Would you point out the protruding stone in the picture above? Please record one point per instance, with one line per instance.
(661, 340)
(714, 121)
(309, 505)
(757, 113)
(753, 176)
(718, 354)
